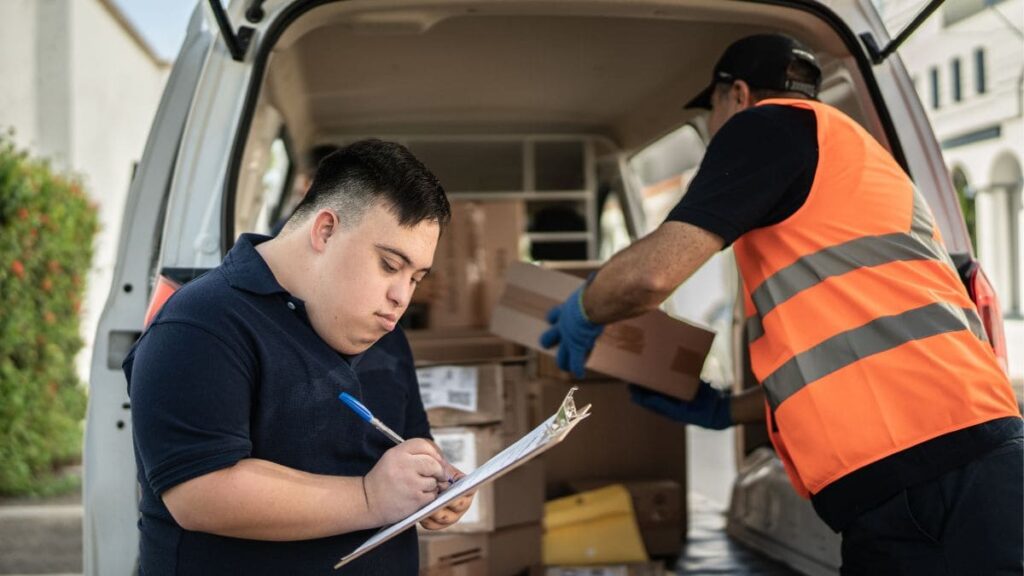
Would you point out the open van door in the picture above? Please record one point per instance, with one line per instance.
(110, 493)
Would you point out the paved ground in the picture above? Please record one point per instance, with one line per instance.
(45, 537)
(41, 536)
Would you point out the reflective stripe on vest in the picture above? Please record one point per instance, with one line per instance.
(877, 336)
(859, 327)
(917, 244)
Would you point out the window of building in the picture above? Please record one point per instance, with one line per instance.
(955, 80)
(979, 71)
(933, 77)
(954, 11)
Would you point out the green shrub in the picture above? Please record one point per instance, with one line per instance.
(47, 227)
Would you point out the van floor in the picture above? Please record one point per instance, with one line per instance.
(709, 550)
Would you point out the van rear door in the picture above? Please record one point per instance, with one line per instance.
(110, 492)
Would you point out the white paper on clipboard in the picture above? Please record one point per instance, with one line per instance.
(550, 432)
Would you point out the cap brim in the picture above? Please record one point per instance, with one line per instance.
(702, 100)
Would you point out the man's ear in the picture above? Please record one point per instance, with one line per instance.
(325, 224)
(740, 95)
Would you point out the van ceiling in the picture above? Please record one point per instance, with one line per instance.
(353, 68)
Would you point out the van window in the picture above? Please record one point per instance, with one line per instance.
(665, 169)
(262, 201)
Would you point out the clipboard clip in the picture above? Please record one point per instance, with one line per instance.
(567, 414)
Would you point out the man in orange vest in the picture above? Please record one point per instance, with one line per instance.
(883, 397)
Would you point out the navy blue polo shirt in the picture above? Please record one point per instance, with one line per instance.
(230, 369)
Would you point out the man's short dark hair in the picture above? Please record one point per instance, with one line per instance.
(359, 176)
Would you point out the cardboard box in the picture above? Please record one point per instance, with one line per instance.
(460, 345)
(503, 225)
(461, 395)
(502, 396)
(619, 442)
(514, 551)
(443, 554)
(641, 569)
(456, 283)
(515, 498)
(658, 508)
(653, 350)
(470, 263)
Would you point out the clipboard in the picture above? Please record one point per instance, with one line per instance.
(543, 437)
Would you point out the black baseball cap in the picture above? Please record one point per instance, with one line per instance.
(762, 61)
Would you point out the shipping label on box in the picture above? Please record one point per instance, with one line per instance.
(516, 498)
(449, 387)
(463, 395)
(466, 448)
(653, 350)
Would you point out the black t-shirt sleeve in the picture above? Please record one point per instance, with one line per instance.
(757, 171)
(191, 395)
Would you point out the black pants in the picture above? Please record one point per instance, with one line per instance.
(968, 521)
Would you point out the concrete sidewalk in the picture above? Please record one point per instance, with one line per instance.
(41, 535)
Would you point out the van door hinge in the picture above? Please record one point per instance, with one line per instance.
(237, 43)
(879, 55)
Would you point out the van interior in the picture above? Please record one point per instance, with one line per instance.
(570, 112)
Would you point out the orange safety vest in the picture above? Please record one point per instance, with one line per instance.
(860, 330)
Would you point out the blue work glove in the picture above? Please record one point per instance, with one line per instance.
(573, 332)
(711, 408)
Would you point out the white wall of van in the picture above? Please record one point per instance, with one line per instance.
(80, 86)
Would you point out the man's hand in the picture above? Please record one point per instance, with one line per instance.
(572, 332)
(451, 513)
(407, 477)
(710, 408)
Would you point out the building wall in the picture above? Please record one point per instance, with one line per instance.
(983, 133)
(80, 88)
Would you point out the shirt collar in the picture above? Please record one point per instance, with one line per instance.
(246, 270)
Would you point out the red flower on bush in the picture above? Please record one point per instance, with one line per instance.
(49, 317)
(46, 285)
(18, 268)
(23, 213)
(53, 266)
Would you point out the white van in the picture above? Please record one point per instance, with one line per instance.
(565, 105)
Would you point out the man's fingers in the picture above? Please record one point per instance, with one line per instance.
(428, 466)
(550, 337)
(424, 446)
(577, 362)
(554, 314)
(563, 358)
(460, 504)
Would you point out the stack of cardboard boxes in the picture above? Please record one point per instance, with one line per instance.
(486, 388)
(474, 386)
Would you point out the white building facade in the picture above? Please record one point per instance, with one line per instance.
(967, 62)
(79, 86)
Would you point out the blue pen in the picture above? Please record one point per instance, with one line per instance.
(365, 414)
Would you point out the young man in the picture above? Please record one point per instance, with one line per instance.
(885, 401)
(248, 462)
